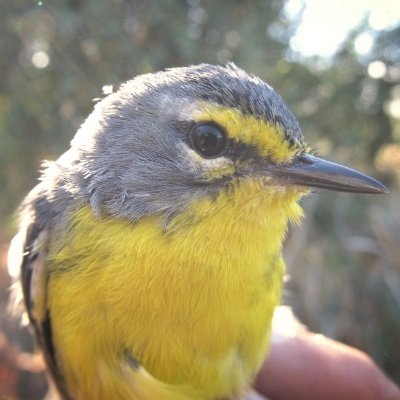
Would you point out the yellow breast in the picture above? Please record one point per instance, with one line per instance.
(191, 303)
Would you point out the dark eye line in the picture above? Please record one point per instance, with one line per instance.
(235, 149)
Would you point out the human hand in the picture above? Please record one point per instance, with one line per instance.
(308, 366)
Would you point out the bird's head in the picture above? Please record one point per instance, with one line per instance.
(168, 140)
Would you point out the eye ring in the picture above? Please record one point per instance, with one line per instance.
(208, 139)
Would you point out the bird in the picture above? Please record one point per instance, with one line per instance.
(150, 252)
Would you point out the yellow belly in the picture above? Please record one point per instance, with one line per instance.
(192, 304)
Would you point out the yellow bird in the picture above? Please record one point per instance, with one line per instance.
(150, 251)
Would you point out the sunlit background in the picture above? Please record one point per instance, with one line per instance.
(336, 63)
(324, 26)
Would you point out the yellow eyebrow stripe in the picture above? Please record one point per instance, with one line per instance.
(268, 139)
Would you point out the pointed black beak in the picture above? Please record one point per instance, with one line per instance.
(311, 171)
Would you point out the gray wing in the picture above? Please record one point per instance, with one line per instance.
(28, 252)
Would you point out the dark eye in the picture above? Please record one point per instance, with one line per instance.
(208, 139)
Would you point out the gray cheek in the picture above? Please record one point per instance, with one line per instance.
(154, 179)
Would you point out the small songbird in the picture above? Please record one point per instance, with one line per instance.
(150, 251)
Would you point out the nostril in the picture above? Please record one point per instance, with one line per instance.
(305, 160)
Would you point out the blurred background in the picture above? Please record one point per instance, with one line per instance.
(337, 65)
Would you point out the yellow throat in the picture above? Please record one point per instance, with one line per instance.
(191, 304)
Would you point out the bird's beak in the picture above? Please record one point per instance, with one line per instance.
(311, 171)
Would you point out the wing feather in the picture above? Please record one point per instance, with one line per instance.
(29, 249)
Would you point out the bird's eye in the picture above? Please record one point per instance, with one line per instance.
(208, 139)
